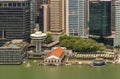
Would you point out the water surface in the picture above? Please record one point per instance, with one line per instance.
(61, 72)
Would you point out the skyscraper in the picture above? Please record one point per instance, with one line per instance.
(113, 15)
(56, 15)
(100, 17)
(41, 18)
(32, 14)
(37, 4)
(46, 1)
(46, 19)
(76, 17)
(117, 23)
(14, 20)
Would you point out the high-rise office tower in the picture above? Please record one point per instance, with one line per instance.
(56, 16)
(100, 17)
(64, 16)
(32, 14)
(41, 18)
(45, 19)
(117, 23)
(14, 20)
(37, 4)
(35, 9)
(35, 12)
(44, 16)
(46, 1)
(113, 15)
(41, 14)
(76, 17)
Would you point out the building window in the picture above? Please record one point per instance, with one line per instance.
(28, 4)
(0, 34)
(18, 4)
(9, 4)
(5, 5)
(23, 4)
(14, 4)
(0, 4)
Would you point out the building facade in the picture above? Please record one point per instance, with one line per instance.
(41, 18)
(46, 19)
(117, 23)
(13, 52)
(56, 15)
(14, 20)
(76, 17)
(32, 14)
(100, 17)
(113, 15)
(55, 56)
(46, 1)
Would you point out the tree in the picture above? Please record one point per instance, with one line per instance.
(63, 37)
(48, 38)
(81, 45)
(64, 43)
(101, 47)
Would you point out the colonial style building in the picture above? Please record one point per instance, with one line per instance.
(55, 56)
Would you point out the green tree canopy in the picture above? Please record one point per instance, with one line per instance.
(48, 38)
(79, 44)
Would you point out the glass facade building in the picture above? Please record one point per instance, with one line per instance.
(13, 53)
(100, 18)
(10, 56)
(41, 23)
(117, 23)
(14, 20)
(32, 14)
(76, 17)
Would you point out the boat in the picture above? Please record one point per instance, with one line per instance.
(98, 63)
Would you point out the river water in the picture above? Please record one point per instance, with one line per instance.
(110, 71)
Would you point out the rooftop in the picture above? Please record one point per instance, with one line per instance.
(56, 52)
(14, 44)
(38, 34)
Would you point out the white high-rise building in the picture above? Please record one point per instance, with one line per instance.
(76, 17)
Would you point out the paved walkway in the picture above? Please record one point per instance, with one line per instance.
(94, 55)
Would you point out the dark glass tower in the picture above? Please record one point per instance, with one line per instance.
(14, 20)
(41, 18)
(100, 18)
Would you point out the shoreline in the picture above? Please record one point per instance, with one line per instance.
(70, 63)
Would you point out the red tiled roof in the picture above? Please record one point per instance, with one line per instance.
(56, 52)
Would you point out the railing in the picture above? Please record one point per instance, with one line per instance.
(93, 55)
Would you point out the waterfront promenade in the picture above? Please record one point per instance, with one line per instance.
(95, 56)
